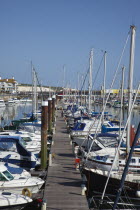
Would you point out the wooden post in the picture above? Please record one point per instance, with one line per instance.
(57, 99)
(132, 134)
(44, 126)
(53, 108)
(50, 115)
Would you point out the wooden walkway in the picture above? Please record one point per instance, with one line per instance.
(63, 185)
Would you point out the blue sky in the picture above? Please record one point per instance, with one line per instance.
(54, 33)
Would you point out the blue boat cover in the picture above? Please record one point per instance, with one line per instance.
(6, 158)
(13, 170)
(7, 142)
(106, 129)
(5, 146)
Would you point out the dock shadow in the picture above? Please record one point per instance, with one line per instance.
(69, 168)
(64, 132)
(65, 155)
(71, 184)
(65, 178)
(75, 193)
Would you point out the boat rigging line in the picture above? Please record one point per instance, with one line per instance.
(96, 132)
(98, 71)
(120, 143)
(126, 167)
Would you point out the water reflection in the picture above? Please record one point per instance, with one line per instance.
(116, 114)
(14, 112)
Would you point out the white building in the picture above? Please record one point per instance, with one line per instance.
(8, 85)
(25, 88)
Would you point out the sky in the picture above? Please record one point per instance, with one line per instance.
(59, 34)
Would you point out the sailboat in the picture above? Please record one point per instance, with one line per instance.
(99, 177)
(105, 181)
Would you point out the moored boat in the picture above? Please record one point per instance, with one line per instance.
(13, 201)
(18, 185)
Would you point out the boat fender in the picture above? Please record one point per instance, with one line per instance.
(26, 192)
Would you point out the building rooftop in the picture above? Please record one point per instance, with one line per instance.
(8, 80)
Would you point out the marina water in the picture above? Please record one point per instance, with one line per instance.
(115, 112)
(17, 111)
(14, 112)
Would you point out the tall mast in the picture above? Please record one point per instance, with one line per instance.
(64, 71)
(126, 168)
(90, 79)
(78, 89)
(32, 88)
(122, 93)
(81, 100)
(34, 93)
(104, 84)
(130, 83)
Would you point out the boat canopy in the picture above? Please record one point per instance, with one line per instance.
(13, 143)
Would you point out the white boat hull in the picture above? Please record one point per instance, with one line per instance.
(17, 186)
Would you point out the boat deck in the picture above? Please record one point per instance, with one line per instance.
(63, 185)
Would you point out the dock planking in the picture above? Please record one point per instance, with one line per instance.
(63, 184)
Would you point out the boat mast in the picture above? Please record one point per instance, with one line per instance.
(78, 95)
(126, 168)
(32, 88)
(82, 91)
(34, 91)
(130, 83)
(90, 79)
(64, 70)
(122, 93)
(104, 84)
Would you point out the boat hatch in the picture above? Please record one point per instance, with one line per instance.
(6, 176)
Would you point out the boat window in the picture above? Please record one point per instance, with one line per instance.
(98, 157)
(110, 124)
(8, 175)
(8, 146)
(139, 160)
(133, 160)
(27, 139)
(95, 147)
(81, 126)
(2, 177)
(23, 142)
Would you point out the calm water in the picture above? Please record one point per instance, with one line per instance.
(14, 112)
(116, 114)
(17, 111)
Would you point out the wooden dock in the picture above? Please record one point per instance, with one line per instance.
(63, 184)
